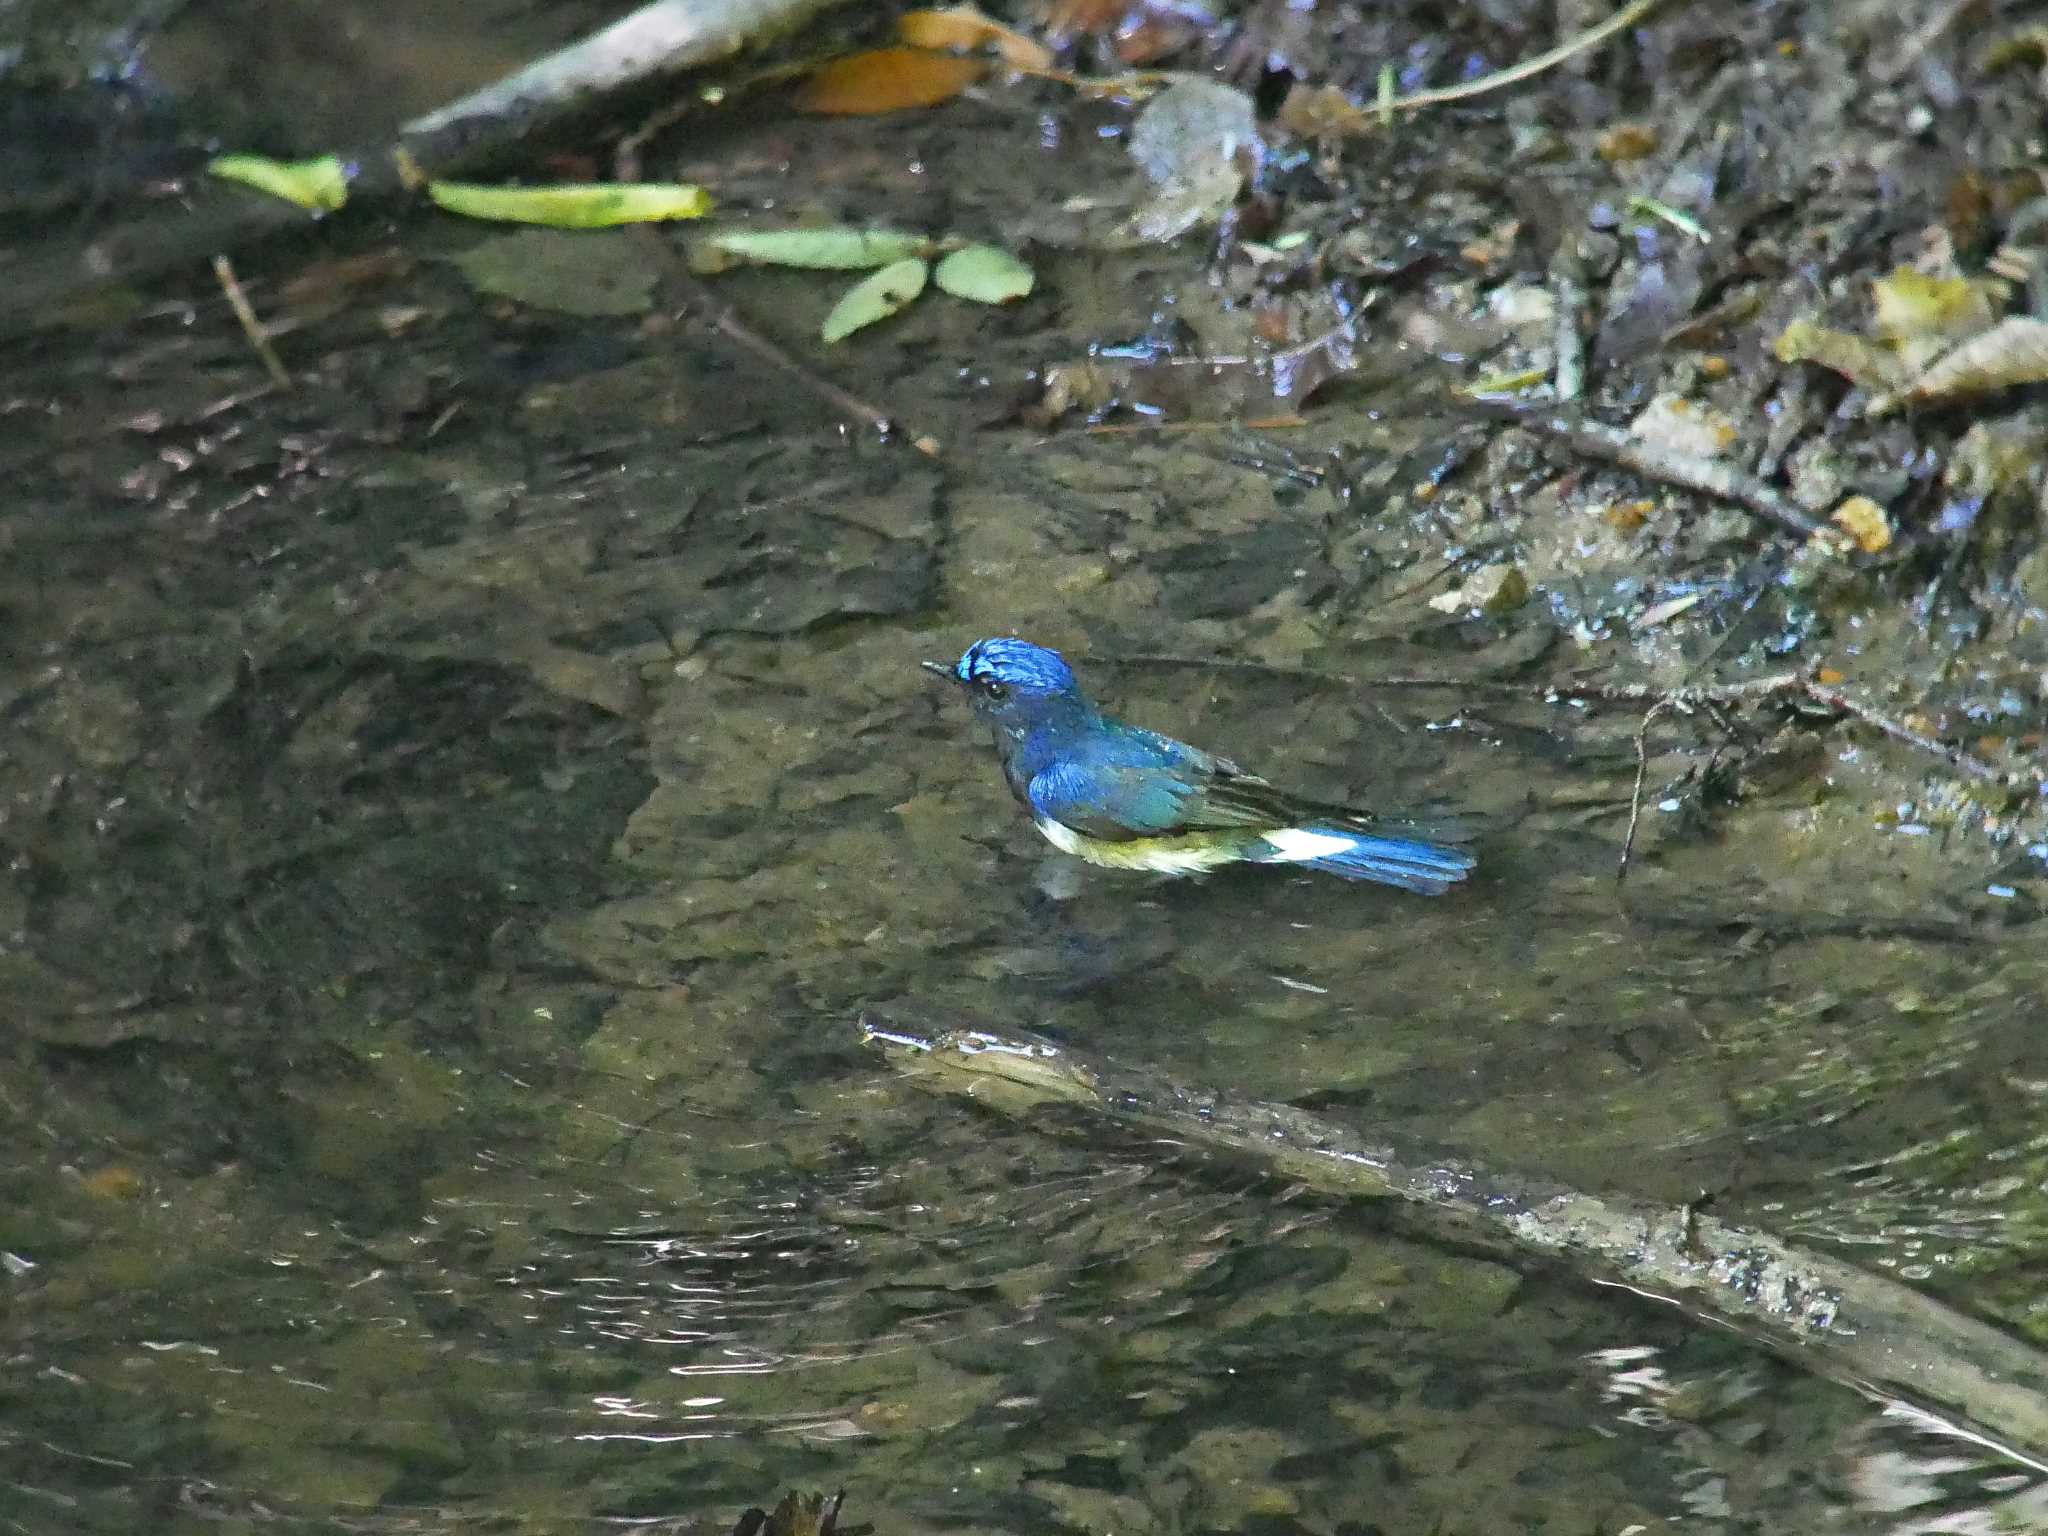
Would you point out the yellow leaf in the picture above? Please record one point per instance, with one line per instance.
(1856, 358)
(1865, 522)
(592, 205)
(1911, 305)
(321, 185)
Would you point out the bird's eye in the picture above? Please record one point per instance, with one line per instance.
(994, 691)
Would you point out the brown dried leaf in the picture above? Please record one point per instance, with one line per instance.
(2012, 352)
(1628, 141)
(1320, 112)
(965, 28)
(887, 80)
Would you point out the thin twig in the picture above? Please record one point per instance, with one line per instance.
(238, 301)
(1568, 293)
(1527, 69)
(1898, 730)
(693, 296)
(1922, 38)
(1635, 798)
(1689, 471)
(1710, 698)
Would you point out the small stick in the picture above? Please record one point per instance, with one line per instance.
(1635, 799)
(1567, 342)
(238, 301)
(1924, 37)
(1689, 471)
(1620, 21)
(693, 295)
(1898, 730)
(1709, 697)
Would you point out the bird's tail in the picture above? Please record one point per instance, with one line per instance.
(1411, 863)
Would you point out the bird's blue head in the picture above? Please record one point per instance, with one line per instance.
(1014, 684)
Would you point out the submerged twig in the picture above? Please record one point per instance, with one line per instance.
(1713, 700)
(1635, 797)
(1872, 1333)
(1568, 342)
(1963, 762)
(1711, 697)
(238, 301)
(1689, 471)
(692, 295)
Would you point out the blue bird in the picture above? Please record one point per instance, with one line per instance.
(1129, 798)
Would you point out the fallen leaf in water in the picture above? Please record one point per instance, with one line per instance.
(1865, 522)
(320, 185)
(1492, 590)
(1139, 30)
(887, 80)
(2011, 353)
(116, 1181)
(1921, 315)
(829, 248)
(1856, 358)
(984, 274)
(887, 292)
(964, 27)
(1628, 141)
(597, 205)
(553, 269)
(1666, 611)
(1673, 422)
(1196, 141)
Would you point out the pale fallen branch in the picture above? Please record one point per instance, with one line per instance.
(1615, 445)
(665, 39)
(1870, 1333)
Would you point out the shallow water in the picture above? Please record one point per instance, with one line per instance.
(446, 868)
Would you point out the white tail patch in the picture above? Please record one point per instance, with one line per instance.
(1301, 845)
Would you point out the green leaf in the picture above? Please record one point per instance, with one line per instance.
(594, 205)
(321, 185)
(834, 248)
(555, 269)
(985, 274)
(887, 292)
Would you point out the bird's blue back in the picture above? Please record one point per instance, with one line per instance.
(1096, 784)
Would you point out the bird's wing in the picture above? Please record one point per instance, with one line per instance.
(1179, 789)
(1240, 799)
(1112, 801)
(1122, 800)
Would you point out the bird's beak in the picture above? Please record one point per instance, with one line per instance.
(940, 668)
